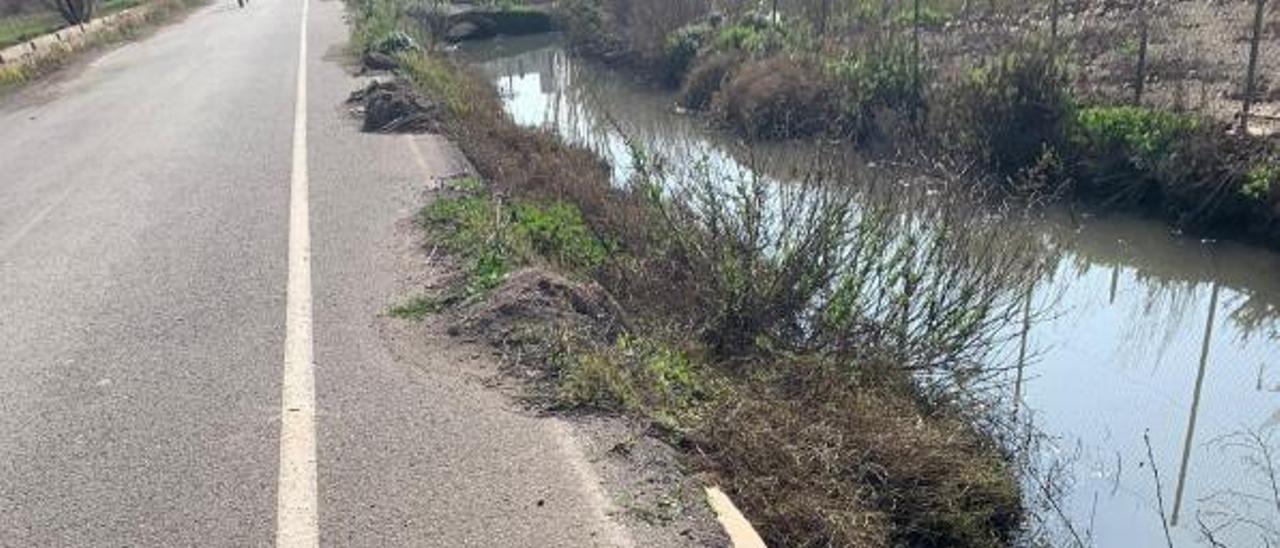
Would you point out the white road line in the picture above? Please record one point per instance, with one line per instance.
(421, 160)
(296, 507)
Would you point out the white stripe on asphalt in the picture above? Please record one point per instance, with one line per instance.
(296, 509)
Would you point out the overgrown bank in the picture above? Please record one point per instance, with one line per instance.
(817, 366)
(1014, 118)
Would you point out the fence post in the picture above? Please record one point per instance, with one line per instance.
(915, 60)
(824, 14)
(1053, 27)
(1250, 83)
(1141, 80)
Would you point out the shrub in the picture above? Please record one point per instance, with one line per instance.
(376, 21)
(736, 37)
(681, 49)
(590, 28)
(1005, 114)
(776, 98)
(706, 79)
(628, 32)
(760, 36)
(884, 77)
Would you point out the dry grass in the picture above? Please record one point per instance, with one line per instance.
(825, 458)
(777, 98)
(706, 79)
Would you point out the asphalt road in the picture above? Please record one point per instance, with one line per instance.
(144, 258)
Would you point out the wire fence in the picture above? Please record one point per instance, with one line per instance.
(1219, 58)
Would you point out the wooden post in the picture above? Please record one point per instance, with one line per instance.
(824, 14)
(1053, 27)
(915, 60)
(1250, 83)
(1140, 81)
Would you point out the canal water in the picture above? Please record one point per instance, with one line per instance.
(1149, 343)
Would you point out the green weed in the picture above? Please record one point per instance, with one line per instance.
(416, 308)
(636, 374)
(466, 185)
(496, 239)
(20, 28)
(1261, 182)
(868, 79)
(558, 232)
(1144, 132)
(930, 17)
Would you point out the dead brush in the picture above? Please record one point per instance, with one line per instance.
(826, 457)
(835, 261)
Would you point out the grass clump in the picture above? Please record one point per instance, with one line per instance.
(439, 79)
(636, 374)
(15, 29)
(417, 308)
(495, 239)
(558, 233)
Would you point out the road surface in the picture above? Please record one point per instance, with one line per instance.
(168, 218)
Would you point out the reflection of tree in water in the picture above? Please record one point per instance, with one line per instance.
(1176, 274)
(1252, 510)
(1256, 314)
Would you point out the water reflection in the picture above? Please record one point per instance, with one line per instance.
(1145, 331)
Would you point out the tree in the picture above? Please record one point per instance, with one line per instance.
(74, 12)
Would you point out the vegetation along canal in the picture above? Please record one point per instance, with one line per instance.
(1139, 342)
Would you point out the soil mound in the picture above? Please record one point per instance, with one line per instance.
(540, 299)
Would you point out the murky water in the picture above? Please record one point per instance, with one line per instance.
(1147, 333)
